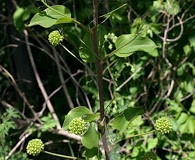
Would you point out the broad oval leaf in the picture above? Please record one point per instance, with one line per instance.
(91, 117)
(18, 18)
(192, 108)
(90, 140)
(122, 121)
(76, 112)
(188, 126)
(86, 51)
(90, 153)
(129, 43)
(54, 15)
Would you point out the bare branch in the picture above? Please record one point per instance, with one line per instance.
(17, 145)
(40, 84)
(70, 103)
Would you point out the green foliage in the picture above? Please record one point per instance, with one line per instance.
(48, 123)
(91, 141)
(74, 113)
(127, 44)
(91, 137)
(86, 48)
(51, 16)
(122, 121)
(185, 121)
(21, 15)
(7, 123)
(161, 81)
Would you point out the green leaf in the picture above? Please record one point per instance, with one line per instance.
(187, 49)
(86, 49)
(18, 18)
(191, 39)
(188, 126)
(76, 112)
(122, 121)
(192, 108)
(188, 86)
(91, 117)
(172, 7)
(181, 69)
(152, 143)
(91, 140)
(11, 112)
(54, 15)
(48, 123)
(182, 118)
(127, 44)
(92, 152)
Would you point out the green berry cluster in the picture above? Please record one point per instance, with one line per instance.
(163, 125)
(149, 156)
(77, 126)
(34, 147)
(55, 38)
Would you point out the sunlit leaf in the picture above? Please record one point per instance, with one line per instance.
(172, 7)
(17, 18)
(152, 142)
(91, 117)
(192, 108)
(55, 15)
(76, 112)
(86, 49)
(182, 118)
(121, 122)
(91, 140)
(128, 44)
(188, 126)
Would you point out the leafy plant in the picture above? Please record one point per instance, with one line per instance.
(113, 74)
(6, 124)
(125, 45)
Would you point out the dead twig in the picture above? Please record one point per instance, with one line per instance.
(40, 84)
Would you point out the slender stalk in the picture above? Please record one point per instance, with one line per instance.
(137, 135)
(99, 78)
(59, 155)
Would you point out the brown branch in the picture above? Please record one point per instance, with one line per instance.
(180, 34)
(164, 41)
(14, 84)
(17, 145)
(99, 78)
(40, 84)
(70, 103)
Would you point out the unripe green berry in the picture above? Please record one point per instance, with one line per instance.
(163, 125)
(55, 38)
(34, 147)
(149, 156)
(77, 126)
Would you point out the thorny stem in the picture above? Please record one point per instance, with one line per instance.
(99, 77)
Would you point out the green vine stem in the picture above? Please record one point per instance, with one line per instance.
(90, 71)
(59, 155)
(137, 135)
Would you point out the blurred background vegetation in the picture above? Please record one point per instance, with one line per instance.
(163, 85)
